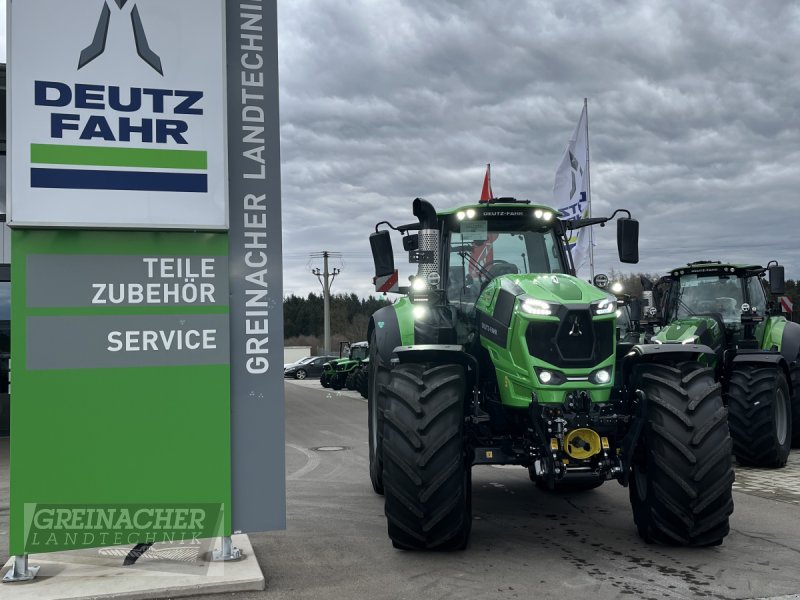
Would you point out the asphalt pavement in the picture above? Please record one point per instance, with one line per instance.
(525, 543)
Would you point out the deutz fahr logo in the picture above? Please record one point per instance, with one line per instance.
(98, 45)
(576, 328)
(104, 136)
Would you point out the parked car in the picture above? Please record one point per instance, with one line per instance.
(311, 366)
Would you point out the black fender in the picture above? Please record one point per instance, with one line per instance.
(440, 353)
(790, 343)
(668, 353)
(387, 337)
(763, 358)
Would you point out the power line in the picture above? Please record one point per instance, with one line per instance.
(326, 278)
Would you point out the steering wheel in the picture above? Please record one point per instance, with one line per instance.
(505, 268)
(500, 262)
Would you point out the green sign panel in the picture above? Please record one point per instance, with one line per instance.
(121, 385)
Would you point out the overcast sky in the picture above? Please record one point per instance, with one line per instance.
(693, 110)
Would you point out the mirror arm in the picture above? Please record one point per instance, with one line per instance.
(400, 228)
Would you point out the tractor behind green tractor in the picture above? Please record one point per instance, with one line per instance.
(497, 354)
(756, 351)
(339, 373)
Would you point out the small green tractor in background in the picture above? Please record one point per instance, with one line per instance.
(756, 351)
(497, 354)
(337, 373)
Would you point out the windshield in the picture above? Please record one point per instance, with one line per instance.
(359, 353)
(482, 250)
(713, 294)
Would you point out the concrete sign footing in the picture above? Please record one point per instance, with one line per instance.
(20, 570)
(164, 571)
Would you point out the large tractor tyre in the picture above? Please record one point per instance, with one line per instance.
(426, 474)
(760, 416)
(324, 381)
(350, 381)
(569, 484)
(796, 407)
(336, 381)
(682, 472)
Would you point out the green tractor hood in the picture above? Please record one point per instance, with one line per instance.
(548, 287)
(699, 329)
(548, 322)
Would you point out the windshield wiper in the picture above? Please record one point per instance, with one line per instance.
(475, 264)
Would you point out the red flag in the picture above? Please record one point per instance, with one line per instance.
(486, 192)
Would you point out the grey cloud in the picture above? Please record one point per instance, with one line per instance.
(693, 120)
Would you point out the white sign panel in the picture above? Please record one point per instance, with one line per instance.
(117, 114)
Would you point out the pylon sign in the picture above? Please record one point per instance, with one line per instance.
(142, 321)
(119, 114)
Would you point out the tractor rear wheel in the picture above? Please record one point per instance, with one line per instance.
(760, 415)
(324, 381)
(426, 474)
(682, 472)
(378, 379)
(350, 381)
(361, 382)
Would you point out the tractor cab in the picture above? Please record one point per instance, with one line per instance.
(718, 304)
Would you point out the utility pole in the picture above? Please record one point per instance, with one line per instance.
(326, 278)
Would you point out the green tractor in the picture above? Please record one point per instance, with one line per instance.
(498, 354)
(756, 358)
(329, 368)
(340, 372)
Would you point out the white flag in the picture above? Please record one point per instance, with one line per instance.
(571, 189)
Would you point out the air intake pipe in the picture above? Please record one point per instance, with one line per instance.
(428, 241)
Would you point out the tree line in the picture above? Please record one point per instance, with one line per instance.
(303, 319)
(303, 315)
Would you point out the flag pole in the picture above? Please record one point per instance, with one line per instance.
(489, 176)
(589, 192)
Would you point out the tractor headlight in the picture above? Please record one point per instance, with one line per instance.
(419, 284)
(601, 377)
(548, 377)
(420, 311)
(460, 215)
(538, 213)
(532, 306)
(470, 213)
(547, 215)
(606, 306)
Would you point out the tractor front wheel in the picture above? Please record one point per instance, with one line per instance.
(426, 474)
(760, 415)
(682, 472)
(324, 381)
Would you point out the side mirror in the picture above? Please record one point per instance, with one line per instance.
(777, 283)
(601, 280)
(411, 242)
(628, 240)
(635, 308)
(382, 254)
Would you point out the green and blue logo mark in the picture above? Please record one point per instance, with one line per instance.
(91, 127)
(105, 167)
